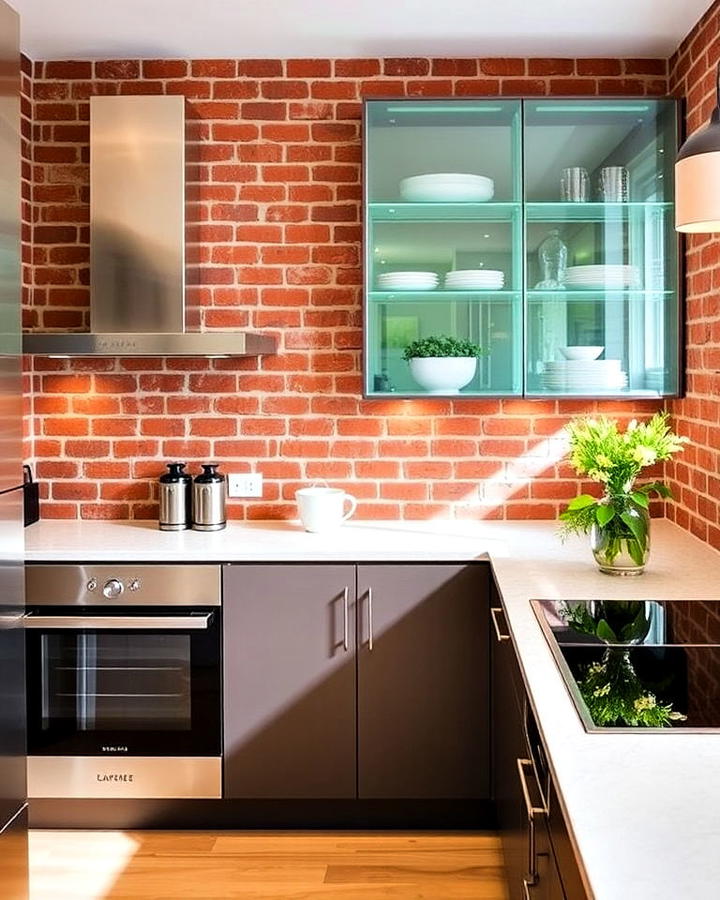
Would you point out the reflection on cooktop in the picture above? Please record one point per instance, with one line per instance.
(638, 663)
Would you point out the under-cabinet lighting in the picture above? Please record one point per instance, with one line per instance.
(58, 356)
(595, 108)
(442, 109)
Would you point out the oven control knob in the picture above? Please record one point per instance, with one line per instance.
(134, 585)
(92, 584)
(113, 588)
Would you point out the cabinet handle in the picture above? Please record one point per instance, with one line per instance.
(532, 811)
(500, 636)
(526, 890)
(346, 642)
(370, 621)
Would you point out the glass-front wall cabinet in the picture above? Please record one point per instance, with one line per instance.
(540, 231)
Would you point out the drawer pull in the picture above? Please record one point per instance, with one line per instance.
(532, 811)
(493, 614)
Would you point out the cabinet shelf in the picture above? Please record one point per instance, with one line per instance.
(592, 212)
(444, 212)
(441, 296)
(598, 295)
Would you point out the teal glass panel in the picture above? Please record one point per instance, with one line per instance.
(493, 320)
(598, 176)
(449, 223)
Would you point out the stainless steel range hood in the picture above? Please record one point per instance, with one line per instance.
(137, 241)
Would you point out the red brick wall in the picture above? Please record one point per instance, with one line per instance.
(274, 244)
(695, 476)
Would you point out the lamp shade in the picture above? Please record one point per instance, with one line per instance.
(697, 180)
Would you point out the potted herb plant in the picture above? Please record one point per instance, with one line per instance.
(441, 364)
(618, 521)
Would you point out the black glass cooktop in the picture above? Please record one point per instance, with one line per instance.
(638, 664)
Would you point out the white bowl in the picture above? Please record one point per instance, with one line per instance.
(443, 374)
(581, 352)
(447, 189)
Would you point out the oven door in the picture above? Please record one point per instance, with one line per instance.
(112, 690)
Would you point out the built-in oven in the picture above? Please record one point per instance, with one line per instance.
(124, 675)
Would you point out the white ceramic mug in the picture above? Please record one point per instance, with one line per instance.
(323, 508)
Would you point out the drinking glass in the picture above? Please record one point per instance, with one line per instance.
(613, 184)
(574, 185)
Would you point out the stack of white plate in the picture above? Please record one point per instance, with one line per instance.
(447, 187)
(608, 277)
(408, 281)
(475, 280)
(584, 376)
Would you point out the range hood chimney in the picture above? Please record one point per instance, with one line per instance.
(137, 241)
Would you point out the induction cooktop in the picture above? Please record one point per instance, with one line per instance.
(638, 665)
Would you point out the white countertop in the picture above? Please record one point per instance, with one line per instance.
(644, 808)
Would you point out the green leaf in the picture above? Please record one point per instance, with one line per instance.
(581, 502)
(640, 498)
(604, 514)
(605, 632)
(635, 550)
(657, 487)
(637, 526)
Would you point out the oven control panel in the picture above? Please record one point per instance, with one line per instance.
(123, 585)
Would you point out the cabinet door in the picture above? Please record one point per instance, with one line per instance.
(289, 681)
(423, 681)
(508, 745)
(443, 251)
(603, 287)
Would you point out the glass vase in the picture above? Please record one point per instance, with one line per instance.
(621, 548)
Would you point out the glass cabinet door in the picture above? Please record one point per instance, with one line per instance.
(443, 239)
(602, 293)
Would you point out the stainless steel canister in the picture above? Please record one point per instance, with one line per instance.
(175, 498)
(209, 499)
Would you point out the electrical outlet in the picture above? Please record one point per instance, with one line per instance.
(245, 484)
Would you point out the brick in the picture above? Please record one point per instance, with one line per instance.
(235, 90)
(67, 70)
(499, 66)
(284, 90)
(86, 449)
(117, 68)
(454, 67)
(56, 112)
(65, 425)
(164, 68)
(356, 68)
(213, 68)
(264, 110)
(551, 66)
(406, 66)
(598, 66)
(260, 68)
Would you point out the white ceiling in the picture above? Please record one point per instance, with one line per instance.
(102, 29)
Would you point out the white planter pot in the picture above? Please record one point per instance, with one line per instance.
(443, 374)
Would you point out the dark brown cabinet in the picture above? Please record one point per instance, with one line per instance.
(415, 724)
(289, 704)
(423, 671)
(540, 863)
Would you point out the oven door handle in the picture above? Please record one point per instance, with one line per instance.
(117, 623)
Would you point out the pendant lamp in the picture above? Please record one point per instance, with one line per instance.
(697, 177)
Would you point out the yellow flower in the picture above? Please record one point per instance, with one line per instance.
(644, 455)
(603, 460)
(599, 475)
(647, 701)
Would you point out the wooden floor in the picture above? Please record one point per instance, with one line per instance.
(202, 865)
